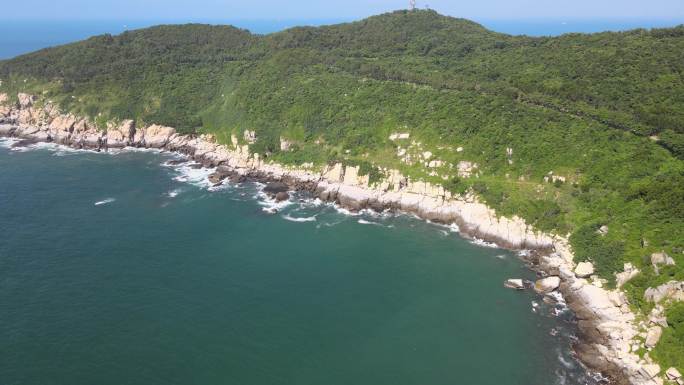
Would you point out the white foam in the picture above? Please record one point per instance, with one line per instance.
(480, 242)
(8, 142)
(568, 364)
(104, 202)
(116, 151)
(501, 256)
(195, 176)
(299, 219)
(270, 205)
(344, 211)
(174, 193)
(561, 306)
(365, 222)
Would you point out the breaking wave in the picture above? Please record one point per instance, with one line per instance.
(299, 219)
(104, 201)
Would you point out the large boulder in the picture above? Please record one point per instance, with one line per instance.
(274, 188)
(584, 270)
(221, 173)
(121, 134)
(673, 374)
(63, 124)
(157, 136)
(650, 371)
(653, 336)
(547, 285)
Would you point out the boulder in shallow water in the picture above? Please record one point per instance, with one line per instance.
(282, 196)
(514, 284)
(546, 285)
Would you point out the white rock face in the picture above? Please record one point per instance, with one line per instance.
(653, 336)
(157, 136)
(249, 136)
(465, 168)
(399, 135)
(651, 370)
(672, 290)
(584, 269)
(547, 285)
(661, 258)
(673, 374)
(25, 100)
(629, 272)
(285, 144)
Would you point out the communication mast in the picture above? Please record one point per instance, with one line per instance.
(412, 5)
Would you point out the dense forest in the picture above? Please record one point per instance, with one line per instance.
(572, 133)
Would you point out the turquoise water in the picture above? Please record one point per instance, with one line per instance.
(116, 269)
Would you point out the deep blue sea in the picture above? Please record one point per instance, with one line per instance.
(23, 36)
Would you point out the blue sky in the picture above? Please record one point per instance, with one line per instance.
(336, 10)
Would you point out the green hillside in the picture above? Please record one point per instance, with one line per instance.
(603, 111)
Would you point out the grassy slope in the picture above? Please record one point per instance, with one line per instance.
(582, 106)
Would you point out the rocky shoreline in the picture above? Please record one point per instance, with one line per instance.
(609, 332)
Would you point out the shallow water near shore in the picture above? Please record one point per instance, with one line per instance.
(117, 269)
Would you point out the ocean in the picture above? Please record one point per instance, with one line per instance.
(23, 36)
(117, 268)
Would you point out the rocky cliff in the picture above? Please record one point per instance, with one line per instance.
(610, 335)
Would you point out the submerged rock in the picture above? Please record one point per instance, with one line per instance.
(514, 284)
(221, 173)
(25, 142)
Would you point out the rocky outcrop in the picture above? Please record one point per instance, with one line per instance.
(673, 375)
(606, 323)
(547, 285)
(629, 272)
(514, 283)
(673, 290)
(584, 270)
(661, 258)
(653, 336)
